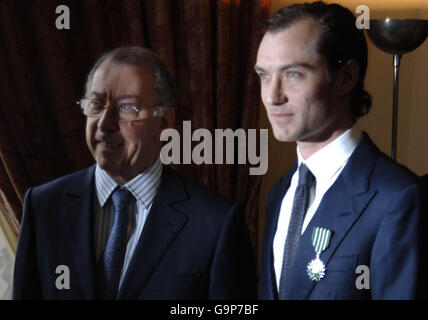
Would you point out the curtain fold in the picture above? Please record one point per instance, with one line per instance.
(210, 46)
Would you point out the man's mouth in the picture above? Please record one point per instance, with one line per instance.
(110, 145)
(282, 116)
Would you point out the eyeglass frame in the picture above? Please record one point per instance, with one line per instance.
(134, 107)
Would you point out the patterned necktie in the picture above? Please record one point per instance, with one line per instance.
(114, 252)
(300, 204)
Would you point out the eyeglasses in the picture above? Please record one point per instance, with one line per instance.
(123, 111)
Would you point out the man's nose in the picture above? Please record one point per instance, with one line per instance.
(276, 93)
(108, 121)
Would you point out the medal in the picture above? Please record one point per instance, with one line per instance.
(320, 240)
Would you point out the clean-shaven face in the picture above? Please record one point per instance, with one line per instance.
(123, 149)
(296, 87)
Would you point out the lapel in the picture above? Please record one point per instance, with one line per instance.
(340, 208)
(76, 214)
(161, 229)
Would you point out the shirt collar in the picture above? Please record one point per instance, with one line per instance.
(327, 161)
(143, 187)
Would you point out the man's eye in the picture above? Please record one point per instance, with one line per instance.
(293, 74)
(263, 76)
(126, 107)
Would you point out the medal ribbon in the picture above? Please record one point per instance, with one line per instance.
(320, 239)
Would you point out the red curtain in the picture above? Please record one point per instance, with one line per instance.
(210, 47)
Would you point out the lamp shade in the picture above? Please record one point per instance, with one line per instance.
(397, 36)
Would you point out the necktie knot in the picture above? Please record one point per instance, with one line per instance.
(121, 198)
(306, 178)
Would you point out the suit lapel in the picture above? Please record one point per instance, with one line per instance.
(340, 208)
(161, 229)
(336, 215)
(77, 216)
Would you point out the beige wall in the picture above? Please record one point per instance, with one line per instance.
(412, 141)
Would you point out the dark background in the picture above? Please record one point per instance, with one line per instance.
(210, 47)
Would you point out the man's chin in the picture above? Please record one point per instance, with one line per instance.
(106, 165)
(284, 137)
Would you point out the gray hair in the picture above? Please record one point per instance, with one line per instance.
(144, 58)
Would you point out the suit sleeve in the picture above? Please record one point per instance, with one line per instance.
(233, 273)
(422, 292)
(395, 260)
(26, 280)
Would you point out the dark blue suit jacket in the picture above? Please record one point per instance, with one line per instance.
(373, 209)
(194, 245)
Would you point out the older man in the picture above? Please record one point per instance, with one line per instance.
(128, 227)
(344, 222)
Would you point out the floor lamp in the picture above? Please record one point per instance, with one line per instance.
(397, 36)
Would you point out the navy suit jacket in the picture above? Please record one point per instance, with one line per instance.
(374, 210)
(194, 245)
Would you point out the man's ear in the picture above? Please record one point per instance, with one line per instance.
(347, 77)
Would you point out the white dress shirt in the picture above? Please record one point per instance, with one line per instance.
(326, 165)
(144, 188)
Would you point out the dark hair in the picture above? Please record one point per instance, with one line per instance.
(144, 58)
(340, 41)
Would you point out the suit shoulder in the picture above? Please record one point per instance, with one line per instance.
(63, 182)
(393, 176)
(206, 195)
(381, 172)
(204, 198)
